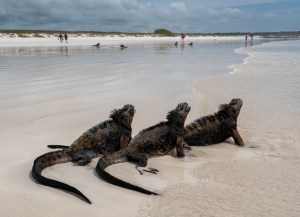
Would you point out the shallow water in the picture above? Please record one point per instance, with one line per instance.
(268, 82)
(59, 80)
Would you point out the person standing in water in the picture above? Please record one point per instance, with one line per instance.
(182, 38)
(66, 37)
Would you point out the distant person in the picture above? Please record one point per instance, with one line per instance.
(251, 36)
(66, 37)
(246, 36)
(176, 44)
(60, 38)
(182, 37)
(191, 44)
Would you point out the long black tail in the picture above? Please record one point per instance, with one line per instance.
(50, 159)
(100, 169)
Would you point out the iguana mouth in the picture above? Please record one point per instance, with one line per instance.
(236, 102)
(130, 109)
(184, 106)
(188, 109)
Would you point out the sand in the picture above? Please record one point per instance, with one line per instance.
(219, 180)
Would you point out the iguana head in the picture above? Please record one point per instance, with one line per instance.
(123, 115)
(233, 108)
(179, 114)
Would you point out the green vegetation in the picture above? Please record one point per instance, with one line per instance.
(163, 32)
(282, 34)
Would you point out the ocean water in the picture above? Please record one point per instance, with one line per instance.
(262, 179)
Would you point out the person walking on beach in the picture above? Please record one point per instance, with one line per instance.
(60, 38)
(66, 37)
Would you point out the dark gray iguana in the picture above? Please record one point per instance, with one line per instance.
(215, 128)
(154, 141)
(106, 137)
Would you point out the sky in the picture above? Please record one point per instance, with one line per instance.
(191, 16)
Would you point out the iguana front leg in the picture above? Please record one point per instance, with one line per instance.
(124, 140)
(237, 138)
(179, 144)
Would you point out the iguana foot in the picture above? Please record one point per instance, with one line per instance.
(186, 147)
(148, 170)
(82, 162)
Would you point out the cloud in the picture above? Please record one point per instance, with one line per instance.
(135, 15)
(270, 15)
(180, 6)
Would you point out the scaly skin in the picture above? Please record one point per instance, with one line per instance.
(215, 128)
(154, 141)
(106, 137)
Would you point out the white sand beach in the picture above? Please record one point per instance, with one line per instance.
(51, 93)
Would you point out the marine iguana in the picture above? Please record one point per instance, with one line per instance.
(97, 45)
(106, 137)
(215, 128)
(122, 46)
(155, 141)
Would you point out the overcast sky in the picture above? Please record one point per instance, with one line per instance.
(146, 15)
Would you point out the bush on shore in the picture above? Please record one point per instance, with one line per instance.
(163, 32)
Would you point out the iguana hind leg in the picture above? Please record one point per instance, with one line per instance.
(141, 161)
(81, 159)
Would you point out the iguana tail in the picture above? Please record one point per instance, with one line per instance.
(106, 161)
(49, 159)
(58, 146)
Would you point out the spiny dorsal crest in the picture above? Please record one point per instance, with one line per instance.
(119, 116)
(173, 117)
(160, 124)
